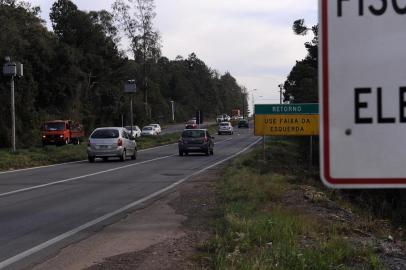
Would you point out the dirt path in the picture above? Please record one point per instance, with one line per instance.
(164, 235)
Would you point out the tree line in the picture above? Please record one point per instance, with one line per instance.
(78, 71)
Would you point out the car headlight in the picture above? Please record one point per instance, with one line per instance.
(60, 136)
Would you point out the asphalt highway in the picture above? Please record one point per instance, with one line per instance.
(45, 209)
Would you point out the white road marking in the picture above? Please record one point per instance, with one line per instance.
(72, 162)
(84, 160)
(89, 224)
(82, 176)
(91, 174)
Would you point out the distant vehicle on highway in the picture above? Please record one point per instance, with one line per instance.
(108, 142)
(61, 132)
(157, 128)
(235, 114)
(191, 124)
(136, 131)
(243, 123)
(223, 118)
(148, 131)
(196, 140)
(225, 127)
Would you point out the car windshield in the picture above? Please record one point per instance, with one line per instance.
(54, 126)
(193, 133)
(105, 134)
(191, 122)
(147, 128)
(129, 127)
(224, 124)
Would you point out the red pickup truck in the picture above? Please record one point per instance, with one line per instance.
(60, 132)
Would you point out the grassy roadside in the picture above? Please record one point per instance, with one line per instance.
(41, 156)
(275, 216)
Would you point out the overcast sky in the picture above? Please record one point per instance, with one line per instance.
(252, 39)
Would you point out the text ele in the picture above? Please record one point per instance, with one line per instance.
(380, 119)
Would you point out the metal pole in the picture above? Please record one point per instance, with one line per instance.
(13, 116)
(173, 110)
(253, 104)
(280, 93)
(131, 109)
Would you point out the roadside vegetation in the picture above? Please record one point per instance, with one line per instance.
(277, 215)
(78, 72)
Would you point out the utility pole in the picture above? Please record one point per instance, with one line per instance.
(13, 115)
(280, 93)
(130, 87)
(12, 69)
(173, 110)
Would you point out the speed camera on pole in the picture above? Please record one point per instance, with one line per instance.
(363, 93)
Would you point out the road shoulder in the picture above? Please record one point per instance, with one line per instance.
(164, 235)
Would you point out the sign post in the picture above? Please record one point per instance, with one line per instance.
(286, 119)
(363, 93)
(12, 70)
(131, 88)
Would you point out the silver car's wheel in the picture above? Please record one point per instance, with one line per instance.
(123, 156)
(134, 156)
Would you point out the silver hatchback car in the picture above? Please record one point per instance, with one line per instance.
(111, 142)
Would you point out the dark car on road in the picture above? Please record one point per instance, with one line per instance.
(196, 140)
(243, 123)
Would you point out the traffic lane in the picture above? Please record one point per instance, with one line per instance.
(160, 181)
(16, 181)
(34, 217)
(181, 127)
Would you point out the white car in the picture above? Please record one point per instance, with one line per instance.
(157, 128)
(148, 131)
(225, 127)
(108, 142)
(136, 131)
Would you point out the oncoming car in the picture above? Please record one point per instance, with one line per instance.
(108, 142)
(196, 140)
(225, 127)
(136, 131)
(148, 131)
(157, 128)
(191, 124)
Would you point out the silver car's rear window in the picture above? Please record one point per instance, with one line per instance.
(193, 133)
(105, 134)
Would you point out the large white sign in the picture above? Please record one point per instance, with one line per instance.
(363, 93)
